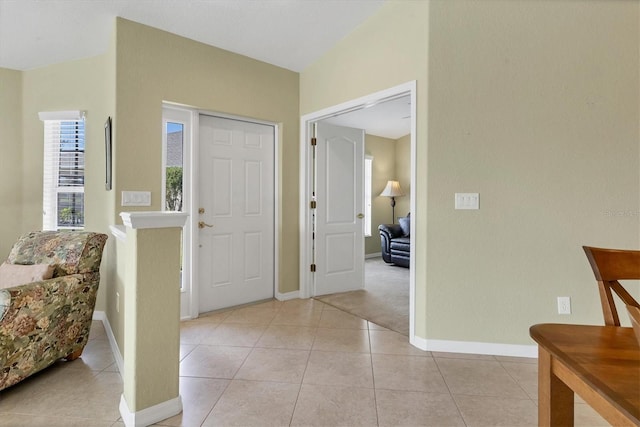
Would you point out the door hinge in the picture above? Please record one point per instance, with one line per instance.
(313, 268)
(314, 141)
(312, 204)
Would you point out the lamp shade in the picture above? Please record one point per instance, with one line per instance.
(392, 189)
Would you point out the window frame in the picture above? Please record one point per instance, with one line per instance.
(54, 156)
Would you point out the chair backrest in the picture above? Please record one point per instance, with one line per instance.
(610, 266)
(70, 252)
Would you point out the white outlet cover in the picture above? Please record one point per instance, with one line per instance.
(136, 198)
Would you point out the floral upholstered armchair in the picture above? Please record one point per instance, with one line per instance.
(44, 320)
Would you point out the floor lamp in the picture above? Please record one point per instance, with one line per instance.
(392, 190)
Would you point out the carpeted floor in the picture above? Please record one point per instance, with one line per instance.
(385, 299)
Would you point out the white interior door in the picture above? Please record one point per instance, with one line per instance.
(339, 236)
(236, 213)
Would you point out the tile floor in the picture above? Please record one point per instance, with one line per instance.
(299, 363)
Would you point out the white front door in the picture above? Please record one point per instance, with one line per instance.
(236, 212)
(339, 236)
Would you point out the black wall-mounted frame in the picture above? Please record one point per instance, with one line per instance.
(107, 149)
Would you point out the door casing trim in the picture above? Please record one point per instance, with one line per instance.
(306, 124)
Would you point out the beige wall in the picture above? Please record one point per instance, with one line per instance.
(403, 173)
(383, 169)
(539, 117)
(155, 66)
(12, 158)
(76, 85)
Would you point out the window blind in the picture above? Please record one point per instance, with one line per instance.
(63, 171)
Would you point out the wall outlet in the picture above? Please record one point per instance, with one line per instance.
(467, 200)
(564, 305)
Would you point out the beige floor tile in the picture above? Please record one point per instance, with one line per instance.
(340, 319)
(375, 327)
(334, 406)
(298, 317)
(479, 377)
(192, 331)
(289, 337)
(60, 376)
(97, 331)
(512, 359)
(254, 403)
(339, 369)
(407, 373)
(96, 356)
(234, 334)
(214, 361)
(271, 364)
(199, 395)
(308, 304)
(259, 315)
(522, 372)
(185, 349)
(445, 355)
(390, 342)
(586, 416)
(349, 340)
(20, 420)
(213, 317)
(99, 397)
(497, 411)
(413, 408)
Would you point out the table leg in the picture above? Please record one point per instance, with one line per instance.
(555, 398)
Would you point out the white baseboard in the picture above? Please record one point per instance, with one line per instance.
(470, 347)
(287, 296)
(117, 355)
(373, 255)
(151, 415)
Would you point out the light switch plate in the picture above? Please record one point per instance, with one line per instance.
(136, 198)
(467, 201)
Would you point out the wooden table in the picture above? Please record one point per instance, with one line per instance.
(599, 363)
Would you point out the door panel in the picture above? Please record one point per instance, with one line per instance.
(236, 175)
(339, 236)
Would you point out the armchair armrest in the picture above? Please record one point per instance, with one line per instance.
(392, 230)
(43, 322)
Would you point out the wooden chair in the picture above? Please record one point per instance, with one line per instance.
(610, 266)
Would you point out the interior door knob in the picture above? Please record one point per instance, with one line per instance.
(202, 224)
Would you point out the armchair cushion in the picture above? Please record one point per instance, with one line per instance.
(405, 224)
(16, 274)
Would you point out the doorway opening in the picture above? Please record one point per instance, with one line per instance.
(308, 174)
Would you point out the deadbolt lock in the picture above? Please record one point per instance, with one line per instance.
(360, 215)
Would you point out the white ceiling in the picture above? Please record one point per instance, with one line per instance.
(287, 33)
(389, 119)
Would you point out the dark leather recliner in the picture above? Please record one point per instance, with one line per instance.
(395, 241)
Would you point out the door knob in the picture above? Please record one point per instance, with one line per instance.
(202, 224)
(360, 215)
(201, 210)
